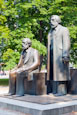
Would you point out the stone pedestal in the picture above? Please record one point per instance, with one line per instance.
(37, 86)
(40, 105)
(72, 85)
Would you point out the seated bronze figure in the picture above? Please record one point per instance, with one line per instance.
(28, 64)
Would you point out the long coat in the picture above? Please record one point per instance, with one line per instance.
(58, 47)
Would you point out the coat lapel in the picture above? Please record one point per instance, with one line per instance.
(57, 30)
(27, 56)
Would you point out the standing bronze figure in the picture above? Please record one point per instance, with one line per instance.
(58, 56)
(28, 64)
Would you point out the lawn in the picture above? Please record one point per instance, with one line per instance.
(4, 82)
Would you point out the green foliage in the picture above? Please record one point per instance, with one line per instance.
(37, 45)
(30, 18)
(4, 30)
(11, 58)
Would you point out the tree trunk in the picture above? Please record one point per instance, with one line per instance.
(40, 31)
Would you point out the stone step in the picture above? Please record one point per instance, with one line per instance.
(32, 108)
(5, 111)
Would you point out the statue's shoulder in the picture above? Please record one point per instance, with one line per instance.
(64, 28)
(31, 49)
(34, 50)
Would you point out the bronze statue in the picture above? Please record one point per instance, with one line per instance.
(28, 64)
(58, 56)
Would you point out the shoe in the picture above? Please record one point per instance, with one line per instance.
(18, 95)
(59, 94)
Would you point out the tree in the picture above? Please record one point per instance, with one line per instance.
(30, 18)
(4, 30)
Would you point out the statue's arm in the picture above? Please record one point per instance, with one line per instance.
(20, 62)
(66, 45)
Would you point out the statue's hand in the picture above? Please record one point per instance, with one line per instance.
(13, 73)
(65, 60)
(20, 70)
(30, 71)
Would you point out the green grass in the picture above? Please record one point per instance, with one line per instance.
(4, 82)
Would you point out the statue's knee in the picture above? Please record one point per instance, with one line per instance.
(12, 74)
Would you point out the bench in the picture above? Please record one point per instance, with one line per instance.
(37, 86)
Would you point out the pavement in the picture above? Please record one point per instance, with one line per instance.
(4, 89)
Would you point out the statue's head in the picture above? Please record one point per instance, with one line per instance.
(55, 20)
(26, 43)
